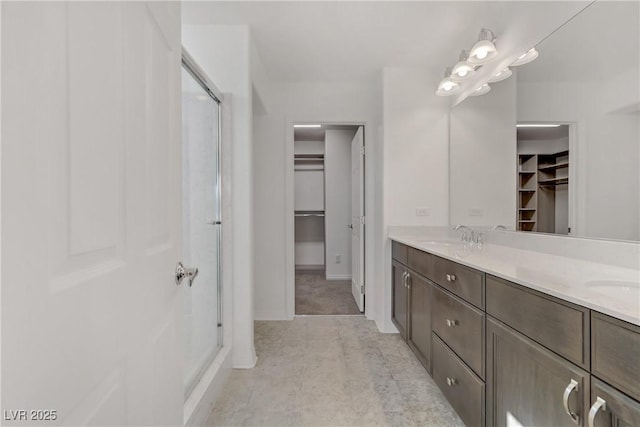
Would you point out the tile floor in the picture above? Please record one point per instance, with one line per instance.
(317, 295)
(331, 371)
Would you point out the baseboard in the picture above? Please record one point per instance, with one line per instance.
(309, 267)
(338, 277)
(201, 400)
(386, 327)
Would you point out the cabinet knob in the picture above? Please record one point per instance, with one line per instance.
(451, 381)
(599, 404)
(451, 277)
(573, 386)
(452, 323)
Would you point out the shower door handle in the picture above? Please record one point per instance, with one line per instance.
(215, 223)
(183, 272)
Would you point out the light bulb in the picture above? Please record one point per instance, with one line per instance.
(484, 50)
(462, 70)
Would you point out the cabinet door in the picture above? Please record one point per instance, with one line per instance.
(611, 408)
(526, 383)
(400, 296)
(419, 337)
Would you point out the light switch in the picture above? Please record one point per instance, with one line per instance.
(422, 211)
(476, 212)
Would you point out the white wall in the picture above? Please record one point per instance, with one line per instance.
(223, 52)
(337, 162)
(335, 102)
(483, 158)
(415, 161)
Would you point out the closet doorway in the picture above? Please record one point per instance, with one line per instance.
(329, 219)
(545, 153)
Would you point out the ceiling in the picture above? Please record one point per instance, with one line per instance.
(317, 134)
(328, 41)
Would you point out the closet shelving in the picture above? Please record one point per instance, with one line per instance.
(527, 189)
(538, 177)
(309, 205)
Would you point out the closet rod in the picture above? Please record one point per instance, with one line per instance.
(309, 170)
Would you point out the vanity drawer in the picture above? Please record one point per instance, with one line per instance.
(461, 326)
(615, 353)
(462, 388)
(420, 262)
(399, 252)
(558, 325)
(465, 282)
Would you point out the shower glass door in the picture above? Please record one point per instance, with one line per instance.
(201, 225)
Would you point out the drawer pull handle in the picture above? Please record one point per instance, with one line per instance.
(451, 381)
(404, 279)
(452, 323)
(451, 277)
(573, 386)
(599, 404)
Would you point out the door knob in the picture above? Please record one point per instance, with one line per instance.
(182, 272)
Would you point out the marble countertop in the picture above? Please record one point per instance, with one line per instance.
(609, 289)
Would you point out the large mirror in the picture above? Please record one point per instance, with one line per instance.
(555, 148)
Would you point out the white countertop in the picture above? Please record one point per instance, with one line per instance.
(609, 289)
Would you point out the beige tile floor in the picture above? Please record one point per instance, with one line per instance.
(331, 371)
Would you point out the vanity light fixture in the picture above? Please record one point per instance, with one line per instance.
(484, 51)
(481, 90)
(536, 125)
(502, 75)
(526, 57)
(447, 86)
(307, 126)
(462, 70)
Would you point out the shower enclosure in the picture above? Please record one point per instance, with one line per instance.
(201, 225)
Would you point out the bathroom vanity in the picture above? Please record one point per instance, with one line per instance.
(514, 337)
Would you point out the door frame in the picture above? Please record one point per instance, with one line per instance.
(290, 285)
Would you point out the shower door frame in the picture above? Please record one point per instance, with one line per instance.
(201, 78)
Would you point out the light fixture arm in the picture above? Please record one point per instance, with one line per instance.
(487, 34)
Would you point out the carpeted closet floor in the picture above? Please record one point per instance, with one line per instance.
(316, 295)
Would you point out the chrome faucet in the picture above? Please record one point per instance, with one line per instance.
(466, 232)
(499, 227)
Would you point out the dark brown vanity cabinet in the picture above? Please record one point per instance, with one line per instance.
(529, 385)
(611, 408)
(615, 372)
(411, 306)
(400, 298)
(419, 336)
(506, 355)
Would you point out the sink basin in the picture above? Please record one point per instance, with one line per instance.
(614, 285)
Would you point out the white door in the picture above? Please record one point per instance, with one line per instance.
(357, 218)
(91, 213)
